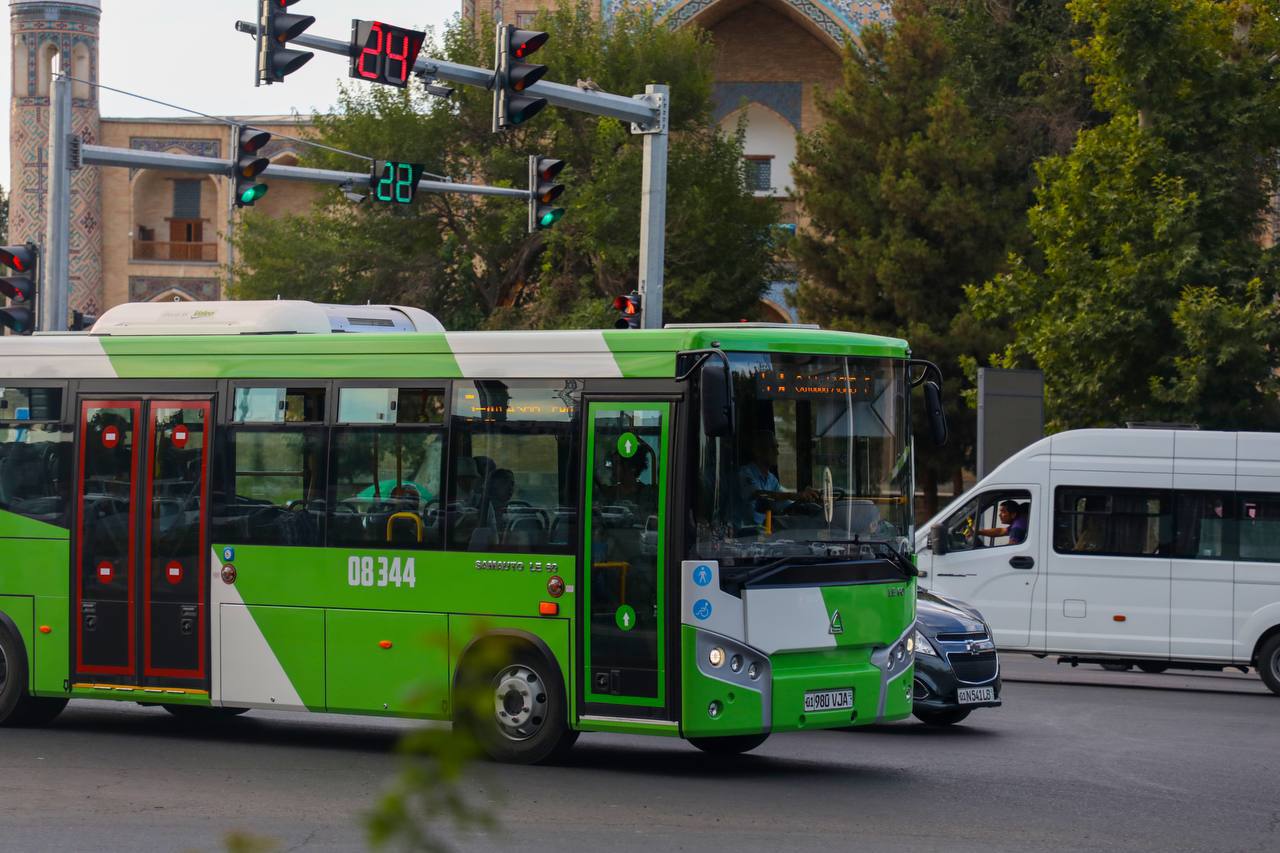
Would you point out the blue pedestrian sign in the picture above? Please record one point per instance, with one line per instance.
(702, 575)
(702, 610)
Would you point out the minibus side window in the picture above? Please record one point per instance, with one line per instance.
(1260, 527)
(1116, 522)
(1205, 525)
(991, 520)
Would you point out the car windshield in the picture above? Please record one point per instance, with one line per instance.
(819, 463)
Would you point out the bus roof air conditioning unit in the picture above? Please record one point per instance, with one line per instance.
(274, 317)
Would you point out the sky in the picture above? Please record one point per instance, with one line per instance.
(188, 52)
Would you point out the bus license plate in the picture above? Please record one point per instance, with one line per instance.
(970, 695)
(827, 700)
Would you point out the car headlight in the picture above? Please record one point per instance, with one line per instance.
(923, 646)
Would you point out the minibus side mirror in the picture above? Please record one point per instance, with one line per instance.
(936, 415)
(938, 540)
(716, 386)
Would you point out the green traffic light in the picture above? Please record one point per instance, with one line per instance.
(550, 217)
(253, 193)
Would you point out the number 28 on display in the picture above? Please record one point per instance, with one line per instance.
(382, 53)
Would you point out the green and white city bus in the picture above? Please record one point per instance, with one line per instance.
(699, 532)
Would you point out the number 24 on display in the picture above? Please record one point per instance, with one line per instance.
(389, 571)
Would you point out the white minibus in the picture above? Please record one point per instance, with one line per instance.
(1153, 547)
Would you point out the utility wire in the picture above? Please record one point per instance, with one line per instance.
(230, 123)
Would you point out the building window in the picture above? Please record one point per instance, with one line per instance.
(526, 19)
(759, 173)
(186, 199)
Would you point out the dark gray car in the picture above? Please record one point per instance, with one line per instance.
(957, 668)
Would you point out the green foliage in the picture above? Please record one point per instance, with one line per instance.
(1151, 295)
(917, 182)
(468, 258)
(4, 215)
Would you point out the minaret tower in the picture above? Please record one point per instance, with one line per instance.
(42, 30)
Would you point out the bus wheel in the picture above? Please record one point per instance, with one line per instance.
(949, 717)
(1269, 663)
(17, 707)
(517, 710)
(728, 745)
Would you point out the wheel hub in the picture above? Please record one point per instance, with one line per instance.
(519, 702)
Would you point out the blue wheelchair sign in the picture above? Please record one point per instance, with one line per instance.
(702, 610)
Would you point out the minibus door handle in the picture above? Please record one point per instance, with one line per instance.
(1022, 562)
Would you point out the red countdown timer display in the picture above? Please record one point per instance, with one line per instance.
(382, 53)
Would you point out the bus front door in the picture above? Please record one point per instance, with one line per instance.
(140, 561)
(624, 554)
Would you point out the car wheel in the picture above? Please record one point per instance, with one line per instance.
(948, 717)
(730, 744)
(1153, 667)
(1269, 663)
(17, 707)
(516, 710)
(1116, 667)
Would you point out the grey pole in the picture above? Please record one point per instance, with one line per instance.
(653, 210)
(55, 258)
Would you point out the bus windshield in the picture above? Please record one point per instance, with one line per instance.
(819, 463)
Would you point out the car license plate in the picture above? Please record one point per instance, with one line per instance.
(970, 695)
(828, 700)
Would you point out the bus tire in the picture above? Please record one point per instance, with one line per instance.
(514, 705)
(948, 717)
(729, 744)
(1269, 663)
(17, 707)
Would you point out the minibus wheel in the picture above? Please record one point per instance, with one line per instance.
(1269, 663)
(17, 707)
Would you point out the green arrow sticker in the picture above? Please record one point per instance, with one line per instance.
(625, 617)
(628, 444)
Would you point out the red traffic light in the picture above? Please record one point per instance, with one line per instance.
(625, 304)
(523, 43)
(252, 141)
(20, 258)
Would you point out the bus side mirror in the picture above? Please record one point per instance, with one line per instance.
(936, 415)
(716, 386)
(937, 540)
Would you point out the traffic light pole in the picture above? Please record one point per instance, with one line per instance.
(647, 114)
(98, 155)
(53, 294)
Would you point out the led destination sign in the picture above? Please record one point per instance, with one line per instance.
(797, 385)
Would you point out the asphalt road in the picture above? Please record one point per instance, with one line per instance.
(1060, 767)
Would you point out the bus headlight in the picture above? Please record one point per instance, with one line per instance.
(716, 656)
(923, 646)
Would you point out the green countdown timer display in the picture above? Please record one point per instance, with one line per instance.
(397, 183)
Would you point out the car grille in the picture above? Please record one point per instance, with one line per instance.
(960, 638)
(973, 668)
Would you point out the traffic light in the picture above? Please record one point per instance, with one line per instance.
(512, 76)
(275, 29)
(628, 307)
(20, 289)
(248, 165)
(543, 191)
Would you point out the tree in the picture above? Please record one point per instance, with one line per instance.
(1151, 295)
(917, 182)
(468, 259)
(4, 215)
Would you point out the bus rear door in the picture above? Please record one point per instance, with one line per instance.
(140, 559)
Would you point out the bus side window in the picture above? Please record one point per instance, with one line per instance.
(513, 467)
(1260, 527)
(35, 455)
(270, 487)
